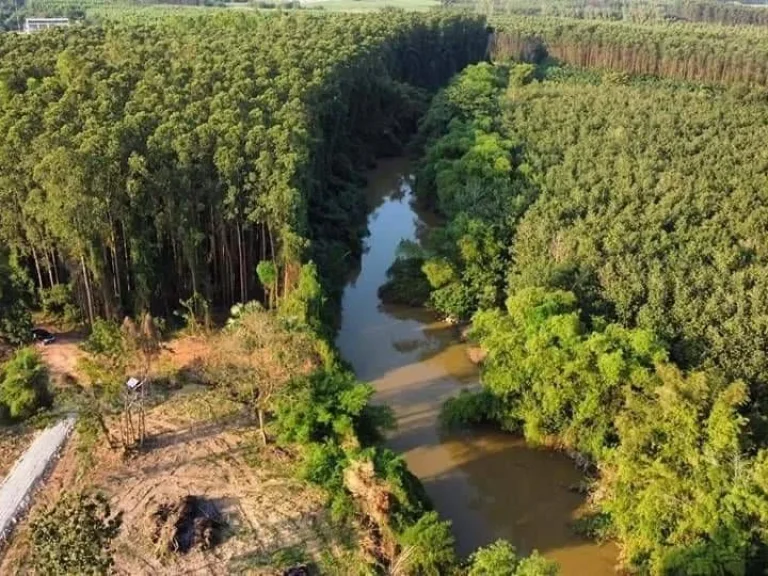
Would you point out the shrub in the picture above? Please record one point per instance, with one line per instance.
(468, 409)
(411, 498)
(536, 565)
(328, 405)
(15, 296)
(406, 283)
(497, 559)
(501, 559)
(23, 385)
(267, 273)
(430, 546)
(323, 464)
(58, 301)
(105, 339)
(304, 304)
(73, 537)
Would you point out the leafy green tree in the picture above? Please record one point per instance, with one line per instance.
(681, 50)
(15, 300)
(256, 357)
(173, 173)
(674, 481)
(554, 377)
(58, 301)
(430, 546)
(23, 385)
(74, 536)
(330, 405)
(267, 273)
(501, 559)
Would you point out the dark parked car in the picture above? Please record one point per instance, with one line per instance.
(40, 335)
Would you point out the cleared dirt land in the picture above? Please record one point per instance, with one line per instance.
(200, 445)
(13, 441)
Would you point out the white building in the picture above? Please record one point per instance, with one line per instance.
(37, 24)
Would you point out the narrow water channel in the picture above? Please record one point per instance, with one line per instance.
(490, 485)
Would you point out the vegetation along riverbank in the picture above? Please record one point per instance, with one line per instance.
(183, 201)
(604, 247)
(165, 170)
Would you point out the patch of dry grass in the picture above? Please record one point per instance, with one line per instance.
(13, 441)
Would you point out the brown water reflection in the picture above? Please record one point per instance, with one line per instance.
(491, 485)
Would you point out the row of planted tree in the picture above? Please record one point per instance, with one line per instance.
(712, 11)
(149, 161)
(684, 51)
(602, 235)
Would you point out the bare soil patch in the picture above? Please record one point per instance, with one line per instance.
(203, 456)
(62, 356)
(13, 441)
(192, 522)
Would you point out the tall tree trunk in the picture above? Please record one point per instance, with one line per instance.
(223, 265)
(275, 289)
(241, 261)
(249, 260)
(194, 275)
(263, 241)
(50, 265)
(116, 266)
(88, 294)
(214, 254)
(127, 257)
(37, 268)
(108, 293)
(230, 268)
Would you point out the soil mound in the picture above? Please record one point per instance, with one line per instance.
(192, 522)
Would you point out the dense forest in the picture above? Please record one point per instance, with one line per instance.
(694, 52)
(606, 246)
(602, 206)
(146, 162)
(715, 11)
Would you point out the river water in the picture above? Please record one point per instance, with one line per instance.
(490, 485)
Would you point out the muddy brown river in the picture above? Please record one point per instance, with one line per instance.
(490, 485)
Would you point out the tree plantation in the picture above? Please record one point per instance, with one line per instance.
(605, 232)
(154, 161)
(698, 52)
(639, 10)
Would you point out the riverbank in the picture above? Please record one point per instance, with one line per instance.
(490, 485)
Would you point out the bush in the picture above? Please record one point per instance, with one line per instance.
(412, 499)
(497, 559)
(304, 304)
(23, 385)
(429, 546)
(323, 464)
(406, 283)
(105, 339)
(501, 559)
(536, 565)
(58, 301)
(74, 536)
(329, 405)
(468, 409)
(15, 297)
